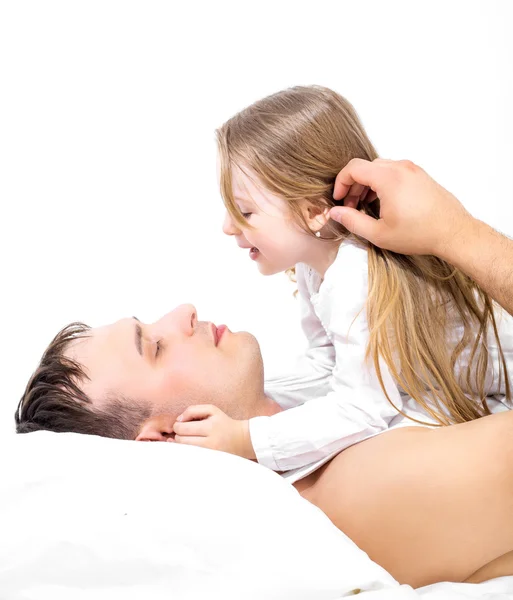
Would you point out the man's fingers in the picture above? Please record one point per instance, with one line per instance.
(357, 171)
(357, 222)
(192, 428)
(357, 194)
(197, 412)
(354, 195)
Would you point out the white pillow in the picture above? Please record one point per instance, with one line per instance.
(86, 517)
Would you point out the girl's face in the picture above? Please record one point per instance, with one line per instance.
(275, 242)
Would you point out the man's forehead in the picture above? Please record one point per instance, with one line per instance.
(98, 348)
(104, 358)
(81, 346)
(78, 347)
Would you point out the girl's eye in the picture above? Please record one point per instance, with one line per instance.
(157, 351)
(246, 215)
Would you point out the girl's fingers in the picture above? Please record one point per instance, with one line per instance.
(191, 440)
(199, 411)
(192, 428)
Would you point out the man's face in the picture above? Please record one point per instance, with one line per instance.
(173, 363)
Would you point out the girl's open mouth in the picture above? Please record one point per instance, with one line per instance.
(254, 253)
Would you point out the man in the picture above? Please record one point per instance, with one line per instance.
(139, 372)
(427, 505)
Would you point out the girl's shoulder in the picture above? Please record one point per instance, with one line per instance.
(350, 268)
(350, 265)
(308, 280)
(343, 293)
(353, 248)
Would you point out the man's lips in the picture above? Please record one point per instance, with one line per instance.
(218, 332)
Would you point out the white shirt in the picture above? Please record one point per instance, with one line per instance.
(334, 398)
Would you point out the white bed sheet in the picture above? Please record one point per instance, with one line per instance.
(84, 517)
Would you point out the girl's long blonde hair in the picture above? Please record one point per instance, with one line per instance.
(295, 142)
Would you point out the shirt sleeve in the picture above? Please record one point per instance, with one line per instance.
(356, 407)
(311, 374)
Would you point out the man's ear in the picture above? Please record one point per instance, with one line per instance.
(316, 217)
(157, 429)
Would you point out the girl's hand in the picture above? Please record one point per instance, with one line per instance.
(209, 427)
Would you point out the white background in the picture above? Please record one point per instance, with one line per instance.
(108, 190)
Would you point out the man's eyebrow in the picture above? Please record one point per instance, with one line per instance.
(138, 336)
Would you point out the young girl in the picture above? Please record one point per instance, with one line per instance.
(392, 340)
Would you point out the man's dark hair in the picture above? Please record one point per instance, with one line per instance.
(53, 399)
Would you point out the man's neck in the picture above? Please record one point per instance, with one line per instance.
(265, 406)
(270, 407)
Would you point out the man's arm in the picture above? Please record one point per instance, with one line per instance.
(419, 216)
(486, 256)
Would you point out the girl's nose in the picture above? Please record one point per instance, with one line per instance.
(229, 227)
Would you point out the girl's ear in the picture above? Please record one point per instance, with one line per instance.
(316, 217)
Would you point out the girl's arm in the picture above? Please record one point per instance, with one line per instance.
(357, 408)
(311, 375)
(320, 428)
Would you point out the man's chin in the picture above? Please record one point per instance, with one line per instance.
(249, 340)
(250, 349)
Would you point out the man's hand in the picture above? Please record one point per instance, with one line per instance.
(209, 427)
(417, 215)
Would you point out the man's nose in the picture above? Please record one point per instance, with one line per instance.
(183, 319)
(229, 227)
